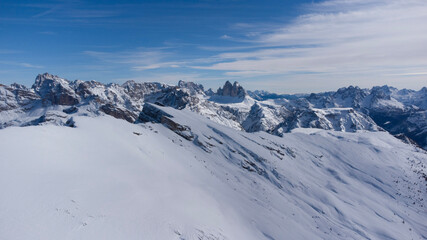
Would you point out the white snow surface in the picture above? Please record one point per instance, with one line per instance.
(110, 179)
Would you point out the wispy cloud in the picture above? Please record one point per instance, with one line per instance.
(73, 9)
(20, 64)
(338, 37)
(363, 42)
(409, 74)
(139, 59)
(66, 12)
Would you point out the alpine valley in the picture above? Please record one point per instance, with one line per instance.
(87, 160)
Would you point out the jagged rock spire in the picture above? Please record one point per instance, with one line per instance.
(231, 90)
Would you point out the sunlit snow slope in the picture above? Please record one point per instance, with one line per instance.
(110, 179)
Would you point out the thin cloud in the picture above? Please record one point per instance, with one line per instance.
(341, 37)
(21, 64)
(409, 74)
(139, 59)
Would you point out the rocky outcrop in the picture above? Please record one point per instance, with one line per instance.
(209, 92)
(231, 90)
(181, 130)
(16, 96)
(152, 113)
(52, 117)
(264, 118)
(55, 90)
(139, 91)
(118, 112)
(176, 98)
(191, 88)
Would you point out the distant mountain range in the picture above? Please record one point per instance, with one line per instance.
(52, 99)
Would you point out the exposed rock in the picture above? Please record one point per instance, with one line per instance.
(191, 88)
(55, 90)
(139, 90)
(151, 113)
(86, 89)
(70, 110)
(263, 118)
(344, 120)
(405, 139)
(181, 130)
(118, 112)
(176, 98)
(209, 92)
(231, 90)
(50, 117)
(397, 111)
(15, 96)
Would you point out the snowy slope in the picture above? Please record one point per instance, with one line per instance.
(191, 178)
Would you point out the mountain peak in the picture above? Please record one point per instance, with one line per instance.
(54, 89)
(193, 88)
(47, 79)
(232, 90)
(128, 82)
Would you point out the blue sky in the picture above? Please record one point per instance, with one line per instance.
(283, 46)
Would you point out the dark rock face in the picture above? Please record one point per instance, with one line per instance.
(141, 90)
(151, 113)
(231, 90)
(181, 130)
(209, 92)
(191, 87)
(405, 139)
(176, 98)
(53, 117)
(253, 123)
(83, 88)
(71, 110)
(15, 96)
(119, 113)
(55, 90)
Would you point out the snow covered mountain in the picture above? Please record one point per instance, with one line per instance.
(155, 161)
(178, 175)
(397, 111)
(349, 109)
(53, 96)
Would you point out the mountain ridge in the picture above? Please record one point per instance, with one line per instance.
(378, 108)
